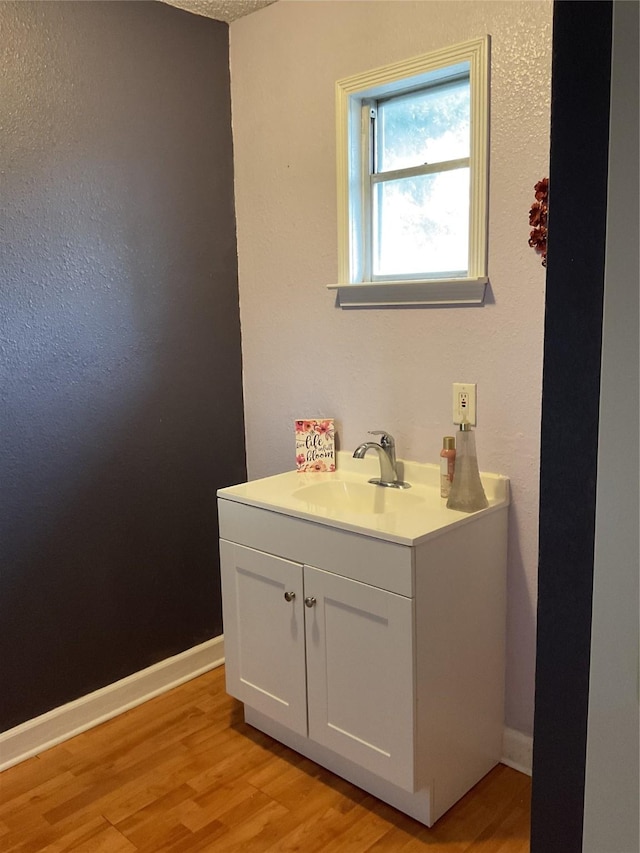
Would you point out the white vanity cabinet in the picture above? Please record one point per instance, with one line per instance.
(326, 656)
(393, 676)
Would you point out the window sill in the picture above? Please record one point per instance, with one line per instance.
(459, 291)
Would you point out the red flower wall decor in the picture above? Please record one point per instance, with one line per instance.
(538, 219)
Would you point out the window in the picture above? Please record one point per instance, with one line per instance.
(412, 180)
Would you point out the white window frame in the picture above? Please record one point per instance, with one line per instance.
(355, 286)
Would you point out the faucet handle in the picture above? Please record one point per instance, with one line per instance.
(387, 439)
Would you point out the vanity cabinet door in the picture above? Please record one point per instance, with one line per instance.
(360, 674)
(264, 633)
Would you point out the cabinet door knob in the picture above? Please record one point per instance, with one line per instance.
(289, 596)
(310, 601)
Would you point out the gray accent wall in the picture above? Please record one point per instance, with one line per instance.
(120, 362)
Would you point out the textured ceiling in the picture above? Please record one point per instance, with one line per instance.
(221, 10)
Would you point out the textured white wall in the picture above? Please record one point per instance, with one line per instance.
(390, 368)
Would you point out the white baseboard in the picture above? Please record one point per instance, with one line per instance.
(62, 723)
(517, 751)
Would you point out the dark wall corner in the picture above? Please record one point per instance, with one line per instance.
(580, 97)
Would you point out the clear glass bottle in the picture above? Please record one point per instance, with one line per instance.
(447, 465)
(467, 493)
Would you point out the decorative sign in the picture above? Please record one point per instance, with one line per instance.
(315, 445)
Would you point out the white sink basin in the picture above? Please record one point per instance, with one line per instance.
(360, 498)
(345, 499)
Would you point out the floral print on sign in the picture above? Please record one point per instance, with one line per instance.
(315, 445)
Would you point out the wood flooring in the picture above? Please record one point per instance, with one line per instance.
(183, 772)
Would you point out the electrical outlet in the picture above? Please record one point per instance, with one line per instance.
(464, 403)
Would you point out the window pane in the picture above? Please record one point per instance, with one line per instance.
(421, 225)
(423, 127)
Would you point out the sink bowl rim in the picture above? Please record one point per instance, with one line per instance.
(353, 496)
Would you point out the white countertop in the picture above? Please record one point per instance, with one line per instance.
(407, 516)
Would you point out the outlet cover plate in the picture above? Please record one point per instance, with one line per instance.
(464, 402)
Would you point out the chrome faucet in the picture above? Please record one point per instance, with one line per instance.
(386, 451)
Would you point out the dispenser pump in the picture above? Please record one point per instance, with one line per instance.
(467, 493)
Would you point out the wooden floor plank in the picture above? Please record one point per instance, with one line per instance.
(107, 840)
(157, 818)
(183, 772)
(216, 802)
(32, 803)
(45, 837)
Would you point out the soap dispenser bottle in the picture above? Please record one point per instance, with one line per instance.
(467, 493)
